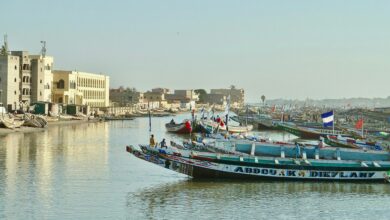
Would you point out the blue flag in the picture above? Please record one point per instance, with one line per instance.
(327, 119)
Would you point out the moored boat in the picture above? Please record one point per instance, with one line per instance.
(199, 165)
(181, 128)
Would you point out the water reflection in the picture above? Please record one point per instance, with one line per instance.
(36, 166)
(236, 199)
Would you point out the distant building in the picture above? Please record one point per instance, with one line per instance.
(80, 88)
(218, 99)
(161, 90)
(155, 99)
(9, 81)
(237, 96)
(126, 97)
(186, 98)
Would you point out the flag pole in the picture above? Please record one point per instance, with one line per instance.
(334, 120)
(362, 127)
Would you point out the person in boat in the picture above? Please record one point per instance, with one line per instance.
(172, 122)
(163, 144)
(152, 142)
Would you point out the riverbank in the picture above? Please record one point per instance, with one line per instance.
(23, 129)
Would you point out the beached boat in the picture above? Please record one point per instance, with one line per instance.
(181, 128)
(199, 165)
(11, 123)
(35, 121)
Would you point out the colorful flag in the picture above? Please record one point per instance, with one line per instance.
(359, 124)
(327, 118)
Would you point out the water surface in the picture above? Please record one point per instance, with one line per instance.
(83, 172)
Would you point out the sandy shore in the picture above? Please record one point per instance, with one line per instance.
(4, 131)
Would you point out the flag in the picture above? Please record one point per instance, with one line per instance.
(359, 124)
(327, 118)
(188, 126)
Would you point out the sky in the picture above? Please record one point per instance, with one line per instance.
(281, 49)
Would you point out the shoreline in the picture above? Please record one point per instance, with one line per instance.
(24, 129)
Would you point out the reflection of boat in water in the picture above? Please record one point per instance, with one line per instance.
(206, 165)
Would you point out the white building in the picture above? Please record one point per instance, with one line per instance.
(80, 88)
(9, 81)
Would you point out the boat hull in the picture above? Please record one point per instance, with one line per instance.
(206, 168)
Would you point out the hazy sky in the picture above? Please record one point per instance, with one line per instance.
(282, 49)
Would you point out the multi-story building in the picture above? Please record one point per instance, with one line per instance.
(236, 95)
(41, 73)
(24, 77)
(80, 88)
(9, 81)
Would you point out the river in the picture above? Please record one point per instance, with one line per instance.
(83, 172)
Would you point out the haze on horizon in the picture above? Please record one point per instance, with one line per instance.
(282, 49)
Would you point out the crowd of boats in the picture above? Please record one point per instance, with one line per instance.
(219, 149)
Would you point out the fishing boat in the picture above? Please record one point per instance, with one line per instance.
(181, 128)
(347, 142)
(261, 121)
(211, 126)
(264, 147)
(309, 132)
(199, 165)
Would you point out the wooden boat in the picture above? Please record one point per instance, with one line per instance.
(181, 128)
(10, 122)
(261, 121)
(199, 165)
(347, 142)
(265, 147)
(309, 133)
(212, 126)
(35, 121)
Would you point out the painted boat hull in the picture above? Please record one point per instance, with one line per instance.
(209, 168)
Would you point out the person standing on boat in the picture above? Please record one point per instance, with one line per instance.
(163, 144)
(152, 142)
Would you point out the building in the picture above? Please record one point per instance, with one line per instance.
(126, 97)
(80, 88)
(217, 99)
(155, 99)
(25, 84)
(41, 73)
(237, 96)
(9, 81)
(186, 98)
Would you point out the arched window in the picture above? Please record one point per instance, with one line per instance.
(61, 84)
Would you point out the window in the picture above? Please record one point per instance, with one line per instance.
(61, 84)
(40, 93)
(15, 80)
(15, 92)
(16, 67)
(40, 81)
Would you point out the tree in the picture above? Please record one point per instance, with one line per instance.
(202, 94)
(263, 99)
